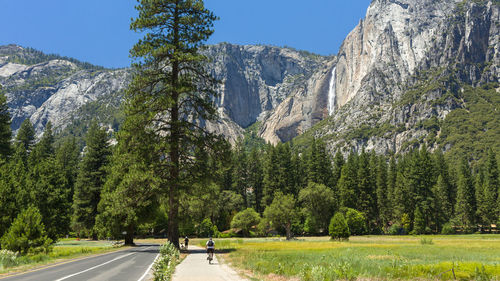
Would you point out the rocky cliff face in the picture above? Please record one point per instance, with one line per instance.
(255, 80)
(50, 88)
(393, 39)
(259, 83)
(406, 63)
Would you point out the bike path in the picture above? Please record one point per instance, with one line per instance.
(195, 267)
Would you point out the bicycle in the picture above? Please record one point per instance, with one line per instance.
(210, 257)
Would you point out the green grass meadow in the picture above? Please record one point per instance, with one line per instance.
(430, 257)
(64, 249)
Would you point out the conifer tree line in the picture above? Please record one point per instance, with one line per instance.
(105, 191)
(417, 192)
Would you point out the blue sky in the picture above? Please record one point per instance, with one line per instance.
(97, 31)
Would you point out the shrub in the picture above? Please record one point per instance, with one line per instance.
(338, 228)
(164, 266)
(7, 258)
(481, 274)
(224, 235)
(426, 241)
(396, 229)
(447, 229)
(245, 220)
(206, 229)
(27, 234)
(406, 222)
(356, 221)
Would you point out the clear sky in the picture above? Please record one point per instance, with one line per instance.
(97, 31)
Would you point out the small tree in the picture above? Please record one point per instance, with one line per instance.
(245, 220)
(338, 227)
(406, 222)
(207, 228)
(319, 204)
(356, 221)
(419, 223)
(27, 234)
(282, 213)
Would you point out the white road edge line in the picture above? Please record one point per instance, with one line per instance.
(94, 267)
(149, 268)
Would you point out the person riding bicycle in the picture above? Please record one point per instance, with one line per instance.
(210, 247)
(186, 242)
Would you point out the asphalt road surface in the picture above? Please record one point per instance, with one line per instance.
(131, 264)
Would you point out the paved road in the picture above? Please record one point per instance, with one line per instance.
(195, 267)
(130, 264)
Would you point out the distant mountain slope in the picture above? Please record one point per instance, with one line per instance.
(408, 72)
(52, 88)
(254, 81)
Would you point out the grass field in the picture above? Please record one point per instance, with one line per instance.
(368, 257)
(64, 249)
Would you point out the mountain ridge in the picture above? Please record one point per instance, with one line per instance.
(406, 64)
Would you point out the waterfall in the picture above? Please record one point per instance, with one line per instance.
(331, 92)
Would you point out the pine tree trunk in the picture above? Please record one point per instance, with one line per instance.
(173, 226)
(173, 189)
(129, 237)
(288, 232)
(173, 200)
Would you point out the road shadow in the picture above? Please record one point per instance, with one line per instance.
(200, 251)
(143, 248)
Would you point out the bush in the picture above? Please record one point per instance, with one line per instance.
(447, 229)
(245, 220)
(338, 228)
(164, 266)
(426, 241)
(356, 221)
(206, 229)
(406, 222)
(8, 258)
(27, 234)
(396, 229)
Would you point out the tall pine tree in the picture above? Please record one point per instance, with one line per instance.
(129, 196)
(240, 170)
(255, 178)
(5, 131)
(25, 139)
(348, 183)
(384, 207)
(90, 181)
(338, 163)
(465, 206)
(491, 185)
(367, 201)
(173, 88)
(442, 205)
